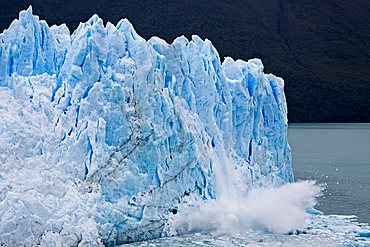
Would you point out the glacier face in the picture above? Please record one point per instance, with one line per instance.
(105, 134)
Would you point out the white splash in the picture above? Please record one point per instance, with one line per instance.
(277, 210)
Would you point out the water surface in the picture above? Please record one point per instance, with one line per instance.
(337, 155)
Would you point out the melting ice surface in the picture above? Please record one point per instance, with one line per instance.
(107, 138)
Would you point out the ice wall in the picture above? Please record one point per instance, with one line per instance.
(105, 134)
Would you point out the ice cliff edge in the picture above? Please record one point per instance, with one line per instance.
(104, 135)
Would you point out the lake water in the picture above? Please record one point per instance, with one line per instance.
(337, 155)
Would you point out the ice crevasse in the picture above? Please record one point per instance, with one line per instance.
(104, 135)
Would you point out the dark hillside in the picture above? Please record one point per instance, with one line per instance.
(320, 48)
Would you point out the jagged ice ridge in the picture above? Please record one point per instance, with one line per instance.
(104, 135)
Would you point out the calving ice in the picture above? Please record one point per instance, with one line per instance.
(107, 138)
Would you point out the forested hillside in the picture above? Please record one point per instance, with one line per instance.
(320, 48)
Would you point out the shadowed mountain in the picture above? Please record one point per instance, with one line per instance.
(320, 48)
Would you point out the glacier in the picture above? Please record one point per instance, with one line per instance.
(105, 136)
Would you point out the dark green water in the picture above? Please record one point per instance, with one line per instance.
(337, 155)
